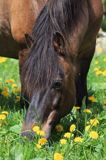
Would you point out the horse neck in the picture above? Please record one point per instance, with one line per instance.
(27, 5)
(38, 5)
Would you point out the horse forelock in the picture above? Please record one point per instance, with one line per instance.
(42, 65)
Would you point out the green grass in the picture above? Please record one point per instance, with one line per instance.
(14, 147)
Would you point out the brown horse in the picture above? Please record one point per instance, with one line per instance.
(17, 18)
(54, 77)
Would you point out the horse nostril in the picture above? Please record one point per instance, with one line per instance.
(57, 85)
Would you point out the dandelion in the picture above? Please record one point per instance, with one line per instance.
(5, 89)
(63, 141)
(87, 128)
(104, 73)
(67, 135)
(94, 122)
(2, 59)
(58, 156)
(2, 116)
(42, 141)
(5, 93)
(104, 102)
(98, 72)
(87, 111)
(78, 139)
(96, 62)
(5, 112)
(96, 69)
(92, 99)
(41, 133)
(17, 98)
(93, 135)
(72, 128)
(36, 129)
(10, 81)
(104, 59)
(38, 146)
(17, 90)
(14, 85)
(59, 128)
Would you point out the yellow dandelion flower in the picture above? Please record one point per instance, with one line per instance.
(2, 116)
(78, 139)
(72, 128)
(5, 89)
(63, 141)
(93, 135)
(96, 62)
(5, 112)
(58, 156)
(17, 98)
(9, 81)
(87, 111)
(98, 72)
(94, 122)
(5, 93)
(67, 135)
(104, 59)
(104, 102)
(38, 146)
(36, 129)
(96, 69)
(14, 85)
(41, 133)
(42, 141)
(87, 128)
(104, 73)
(59, 128)
(2, 59)
(38, 132)
(92, 99)
(17, 90)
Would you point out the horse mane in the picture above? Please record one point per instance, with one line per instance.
(42, 64)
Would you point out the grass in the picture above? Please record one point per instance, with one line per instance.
(15, 147)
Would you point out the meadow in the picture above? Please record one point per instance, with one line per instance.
(79, 136)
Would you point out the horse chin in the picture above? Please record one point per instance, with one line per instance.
(51, 121)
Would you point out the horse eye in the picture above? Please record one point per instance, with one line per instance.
(57, 85)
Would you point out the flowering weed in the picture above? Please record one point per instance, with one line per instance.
(80, 135)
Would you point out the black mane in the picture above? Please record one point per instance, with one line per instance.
(42, 65)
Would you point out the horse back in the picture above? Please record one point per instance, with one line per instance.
(16, 19)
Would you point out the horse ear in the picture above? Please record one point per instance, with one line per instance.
(58, 42)
(29, 40)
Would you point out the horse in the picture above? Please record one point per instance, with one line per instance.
(54, 76)
(17, 19)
